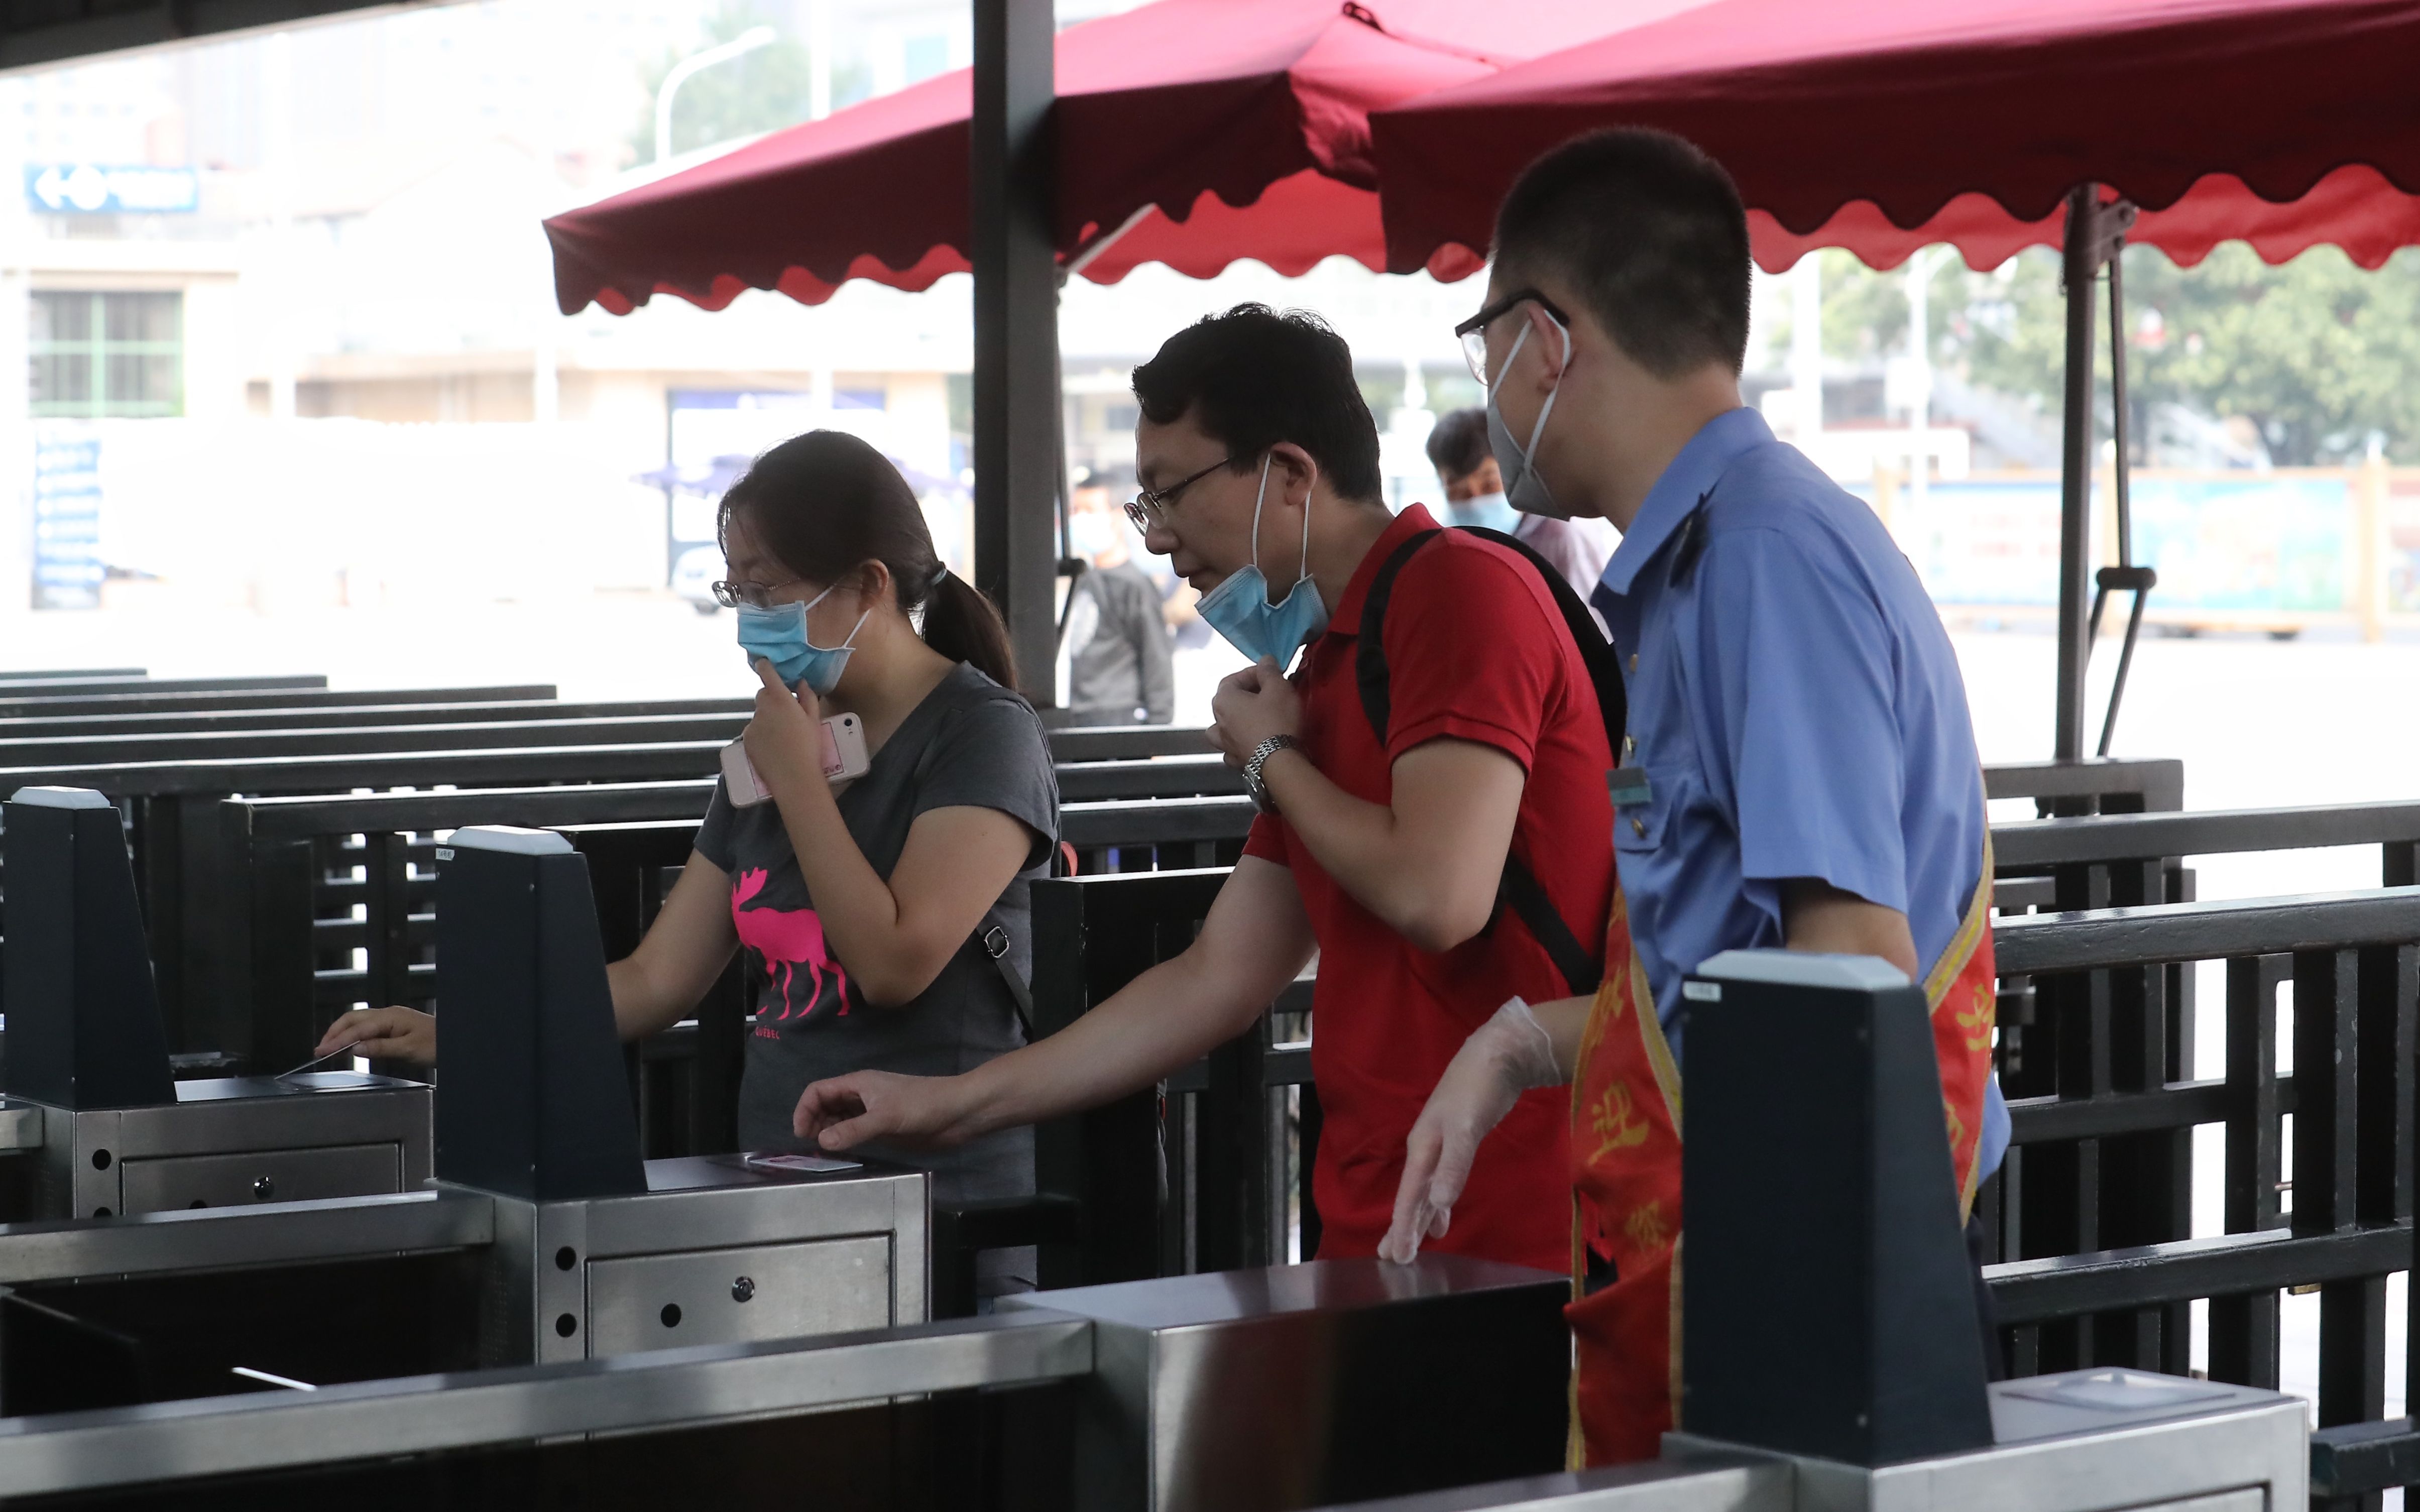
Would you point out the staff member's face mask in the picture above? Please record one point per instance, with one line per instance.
(1239, 609)
(1523, 488)
(778, 633)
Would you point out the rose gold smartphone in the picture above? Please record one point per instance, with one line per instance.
(844, 759)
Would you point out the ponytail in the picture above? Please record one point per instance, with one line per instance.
(962, 623)
(826, 503)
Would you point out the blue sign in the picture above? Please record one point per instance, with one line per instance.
(67, 569)
(88, 189)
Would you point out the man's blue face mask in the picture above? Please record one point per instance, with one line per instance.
(1239, 609)
(779, 634)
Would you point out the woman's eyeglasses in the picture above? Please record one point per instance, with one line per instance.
(1148, 507)
(731, 594)
(1472, 333)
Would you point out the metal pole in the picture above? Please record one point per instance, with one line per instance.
(747, 41)
(2075, 483)
(1017, 402)
(2118, 417)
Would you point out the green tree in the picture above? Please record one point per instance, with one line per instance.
(760, 91)
(2317, 352)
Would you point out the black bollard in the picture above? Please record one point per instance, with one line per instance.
(85, 1030)
(532, 1100)
(1828, 1307)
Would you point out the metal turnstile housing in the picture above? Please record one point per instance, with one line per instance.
(1257, 1391)
(2087, 1440)
(714, 1252)
(235, 1142)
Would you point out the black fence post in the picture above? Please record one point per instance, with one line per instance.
(2243, 1328)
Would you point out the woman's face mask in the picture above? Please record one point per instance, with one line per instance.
(778, 633)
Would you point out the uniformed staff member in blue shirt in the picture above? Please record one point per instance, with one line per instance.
(1800, 768)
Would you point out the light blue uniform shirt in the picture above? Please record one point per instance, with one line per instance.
(1799, 712)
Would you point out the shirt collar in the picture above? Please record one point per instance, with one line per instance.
(1412, 522)
(1689, 477)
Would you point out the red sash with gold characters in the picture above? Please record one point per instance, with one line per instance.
(1626, 1175)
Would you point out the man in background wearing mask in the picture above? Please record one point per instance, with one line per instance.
(1799, 769)
(1474, 495)
(1114, 651)
(1387, 854)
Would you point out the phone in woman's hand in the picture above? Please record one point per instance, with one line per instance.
(844, 758)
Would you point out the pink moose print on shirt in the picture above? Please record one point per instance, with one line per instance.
(786, 939)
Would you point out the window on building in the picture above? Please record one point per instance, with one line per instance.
(97, 355)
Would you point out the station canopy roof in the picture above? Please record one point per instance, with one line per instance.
(1190, 132)
(1882, 126)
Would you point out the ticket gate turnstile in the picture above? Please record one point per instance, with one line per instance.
(90, 1102)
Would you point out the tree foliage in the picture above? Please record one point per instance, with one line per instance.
(760, 91)
(2318, 353)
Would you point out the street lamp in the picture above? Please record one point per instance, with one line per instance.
(747, 41)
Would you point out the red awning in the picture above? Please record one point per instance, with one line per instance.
(1883, 125)
(1191, 133)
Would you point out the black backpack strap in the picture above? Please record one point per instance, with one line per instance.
(1603, 663)
(1521, 890)
(1370, 644)
(1518, 889)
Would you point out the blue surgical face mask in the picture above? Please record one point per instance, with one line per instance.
(1487, 511)
(1239, 609)
(779, 634)
(1523, 488)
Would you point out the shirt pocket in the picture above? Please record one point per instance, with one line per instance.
(1640, 828)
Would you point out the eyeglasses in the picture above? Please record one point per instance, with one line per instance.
(1147, 507)
(1472, 333)
(731, 594)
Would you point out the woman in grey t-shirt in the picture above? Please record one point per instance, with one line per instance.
(862, 907)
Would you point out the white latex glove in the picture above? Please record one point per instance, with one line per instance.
(1504, 1058)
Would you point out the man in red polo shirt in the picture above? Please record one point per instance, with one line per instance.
(1411, 863)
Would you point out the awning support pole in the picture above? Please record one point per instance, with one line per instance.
(1017, 404)
(2076, 476)
(2096, 237)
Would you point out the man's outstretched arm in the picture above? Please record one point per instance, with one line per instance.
(1256, 939)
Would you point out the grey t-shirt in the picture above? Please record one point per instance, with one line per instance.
(972, 743)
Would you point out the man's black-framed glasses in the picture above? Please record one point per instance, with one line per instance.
(1472, 333)
(732, 593)
(1147, 507)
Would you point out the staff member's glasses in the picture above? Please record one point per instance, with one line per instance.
(1153, 505)
(1472, 333)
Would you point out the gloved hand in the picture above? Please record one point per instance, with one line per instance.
(1504, 1058)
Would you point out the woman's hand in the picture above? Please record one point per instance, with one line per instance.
(912, 1112)
(384, 1034)
(784, 741)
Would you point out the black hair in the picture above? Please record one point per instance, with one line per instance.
(1649, 234)
(1255, 376)
(824, 503)
(1458, 443)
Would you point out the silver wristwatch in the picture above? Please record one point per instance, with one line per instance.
(1260, 757)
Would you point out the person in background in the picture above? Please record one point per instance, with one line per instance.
(1438, 857)
(1474, 495)
(1115, 647)
(1799, 769)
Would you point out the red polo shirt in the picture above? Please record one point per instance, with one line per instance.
(1476, 650)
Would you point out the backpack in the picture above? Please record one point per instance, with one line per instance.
(1518, 889)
